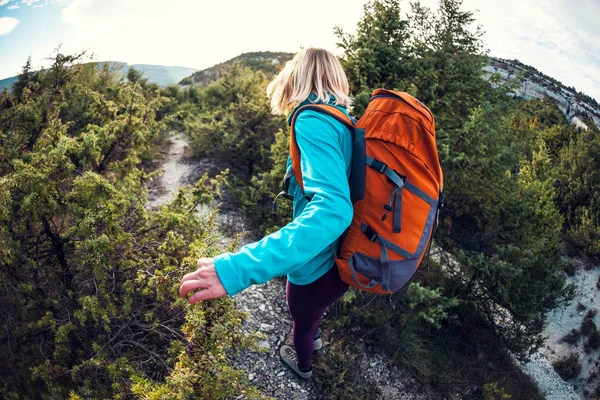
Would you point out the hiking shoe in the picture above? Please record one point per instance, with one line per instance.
(317, 343)
(288, 356)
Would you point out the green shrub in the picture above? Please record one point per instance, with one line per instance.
(588, 327)
(578, 191)
(568, 367)
(89, 276)
(233, 125)
(572, 337)
(493, 391)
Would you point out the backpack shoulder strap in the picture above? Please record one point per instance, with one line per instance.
(327, 109)
(333, 112)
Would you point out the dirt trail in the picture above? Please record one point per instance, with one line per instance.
(175, 171)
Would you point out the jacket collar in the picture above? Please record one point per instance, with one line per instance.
(312, 99)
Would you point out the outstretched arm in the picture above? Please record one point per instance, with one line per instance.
(321, 222)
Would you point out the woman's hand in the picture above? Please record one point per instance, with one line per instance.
(204, 278)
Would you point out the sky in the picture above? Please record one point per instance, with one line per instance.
(561, 38)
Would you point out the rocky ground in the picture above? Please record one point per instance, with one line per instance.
(268, 314)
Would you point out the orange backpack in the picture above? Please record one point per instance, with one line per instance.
(396, 186)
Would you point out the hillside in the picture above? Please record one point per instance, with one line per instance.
(162, 75)
(265, 61)
(8, 82)
(535, 85)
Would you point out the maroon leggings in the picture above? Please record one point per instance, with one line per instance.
(307, 304)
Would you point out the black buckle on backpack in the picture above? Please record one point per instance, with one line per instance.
(378, 166)
(371, 234)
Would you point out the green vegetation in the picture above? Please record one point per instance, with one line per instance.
(491, 391)
(231, 123)
(568, 367)
(158, 74)
(89, 277)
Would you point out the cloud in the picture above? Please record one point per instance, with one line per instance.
(7, 25)
(32, 3)
(86, 13)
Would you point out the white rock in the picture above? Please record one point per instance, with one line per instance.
(281, 373)
(250, 377)
(265, 344)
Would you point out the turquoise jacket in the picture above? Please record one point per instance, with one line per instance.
(301, 249)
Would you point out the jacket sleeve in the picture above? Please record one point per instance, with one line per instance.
(321, 222)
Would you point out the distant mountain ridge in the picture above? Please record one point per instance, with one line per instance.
(8, 82)
(576, 106)
(268, 62)
(533, 84)
(160, 74)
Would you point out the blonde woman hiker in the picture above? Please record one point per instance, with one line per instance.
(302, 249)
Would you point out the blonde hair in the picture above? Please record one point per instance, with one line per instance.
(311, 70)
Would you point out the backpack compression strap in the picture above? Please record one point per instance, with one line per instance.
(333, 112)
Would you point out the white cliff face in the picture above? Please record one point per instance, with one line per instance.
(533, 86)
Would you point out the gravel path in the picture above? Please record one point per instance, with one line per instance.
(175, 171)
(268, 314)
